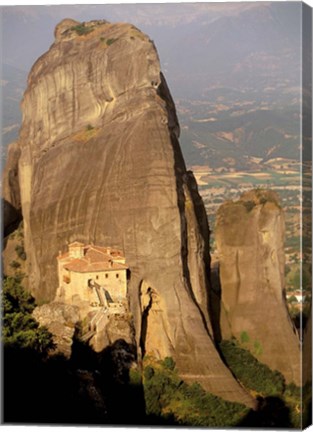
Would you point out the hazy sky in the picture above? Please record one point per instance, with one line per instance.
(252, 48)
(28, 30)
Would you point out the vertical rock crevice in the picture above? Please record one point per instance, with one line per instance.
(193, 219)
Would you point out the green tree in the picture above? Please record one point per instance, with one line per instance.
(111, 41)
(171, 399)
(244, 337)
(251, 373)
(169, 363)
(14, 297)
(19, 329)
(148, 372)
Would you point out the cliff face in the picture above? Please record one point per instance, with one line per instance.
(100, 163)
(10, 191)
(250, 240)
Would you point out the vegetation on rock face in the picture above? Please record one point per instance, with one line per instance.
(270, 386)
(18, 233)
(300, 415)
(267, 195)
(171, 401)
(169, 363)
(250, 372)
(260, 196)
(244, 337)
(15, 253)
(249, 205)
(81, 29)
(15, 264)
(19, 249)
(111, 41)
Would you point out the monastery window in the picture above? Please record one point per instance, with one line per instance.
(97, 276)
(117, 275)
(66, 279)
(106, 275)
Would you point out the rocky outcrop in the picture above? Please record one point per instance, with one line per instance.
(60, 320)
(250, 241)
(100, 163)
(111, 328)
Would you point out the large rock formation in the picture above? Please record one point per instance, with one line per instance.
(100, 163)
(250, 240)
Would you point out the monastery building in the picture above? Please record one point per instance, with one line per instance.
(93, 275)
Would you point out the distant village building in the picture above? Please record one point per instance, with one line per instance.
(92, 276)
(299, 296)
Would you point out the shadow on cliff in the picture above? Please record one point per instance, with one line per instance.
(95, 389)
(11, 219)
(215, 303)
(272, 412)
(88, 389)
(121, 385)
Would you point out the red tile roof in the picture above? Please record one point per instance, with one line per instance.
(85, 266)
(96, 258)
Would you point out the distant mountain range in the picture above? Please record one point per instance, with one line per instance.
(238, 63)
(232, 131)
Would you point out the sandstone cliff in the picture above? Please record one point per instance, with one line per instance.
(250, 240)
(100, 163)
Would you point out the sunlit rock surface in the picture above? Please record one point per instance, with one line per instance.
(250, 240)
